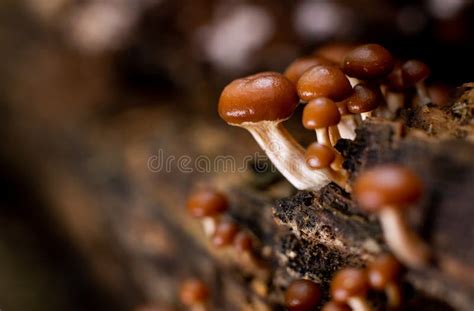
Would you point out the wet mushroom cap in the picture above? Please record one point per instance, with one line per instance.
(294, 71)
(334, 306)
(394, 80)
(369, 61)
(342, 107)
(266, 96)
(383, 270)
(349, 282)
(414, 71)
(387, 185)
(319, 113)
(243, 242)
(225, 233)
(365, 98)
(323, 81)
(207, 203)
(319, 156)
(193, 291)
(302, 295)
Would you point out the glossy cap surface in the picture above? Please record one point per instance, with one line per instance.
(323, 81)
(319, 113)
(266, 96)
(369, 61)
(414, 71)
(319, 156)
(383, 270)
(225, 233)
(349, 282)
(302, 295)
(296, 69)
(207, 203)
(364, 99)
(387, 185)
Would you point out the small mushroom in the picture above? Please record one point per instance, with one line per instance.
(207, 205)
(320, 114)
(348, 123)
(335, 306)
(260, 103)
(296, 69)
(414, 73)
(384, 274)
(302, 295)
(368, 62)
(323, 81)
(350, 286)
(387, 190)
(335, 51)
(225, 233)
(439, 94)
(319, 156)
(364, 100)
(194, 294)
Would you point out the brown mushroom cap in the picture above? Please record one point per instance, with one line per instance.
(302, 295)
(394, 80)
(193, 291)
(266, 96)
(243, 242)
(319, 156)
(207, 203)
(414, 71)
(383, 270)
(225, 233)
(342, 107)
(334, 306)
(323, 81)
(294, 71)
(439, 94)
(335, 51)
(364, 99)
(319, 113)
(349, 282)
(387, 185)
(369, 61)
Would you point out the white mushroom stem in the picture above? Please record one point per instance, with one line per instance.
(365, 115)
(347, 127)
(359, 304)
(423, 95)
(403, 242)
(395, 101)
(394, 295)
(334, 134)
(288, 155)
(209, 225)
(322, 136)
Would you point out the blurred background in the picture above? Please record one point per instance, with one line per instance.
(90, 89)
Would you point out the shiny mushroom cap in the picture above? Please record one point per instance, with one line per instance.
(302, 295)
(369, 61)
(319, 156)
(207, 203)
(384, 270)
(323, 81)
(414, 71)
(296, 69)
(225, 233)
(319, 113)
(266, 96)
(364, 99)
(387, 185)
(349, 282)
(193, 291)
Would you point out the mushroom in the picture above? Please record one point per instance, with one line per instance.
(368, 62)
(320, 114)
(393, 88)
(335, 51)
(414, 73)
(323, 81)
(348, 123)
(207, 205)
(302, 295)
(225, 233)
(294, 71)
(387, 190)
(364, 100)
(350, 286)
(335, 306)
(384, 273)
(439, 94)
(319, 156)
(194, 294)
(259, 103)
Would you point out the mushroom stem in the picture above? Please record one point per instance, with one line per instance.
(209, 225)
(322, 136)
(347, 127)
(334, 134)
(287, 155)
(394, 295)
(395, 101)
(404, 243)
(359, 304)
(365, 115)
(423, 95)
